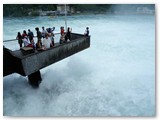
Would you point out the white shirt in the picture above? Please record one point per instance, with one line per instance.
(46, 42)
(26, 42)
(44, 32)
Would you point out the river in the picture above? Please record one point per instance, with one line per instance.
(114, 77)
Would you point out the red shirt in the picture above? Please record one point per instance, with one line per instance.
(62, 31)
(23, 35)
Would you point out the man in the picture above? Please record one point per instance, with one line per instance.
(47, 42)
(87, 31)
(39, 34)
(30, 35)
(43, 32)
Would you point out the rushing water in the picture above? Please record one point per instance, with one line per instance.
(114, 77)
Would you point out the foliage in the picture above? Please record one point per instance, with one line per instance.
(18, 10)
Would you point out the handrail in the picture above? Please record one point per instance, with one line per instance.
(17, 39)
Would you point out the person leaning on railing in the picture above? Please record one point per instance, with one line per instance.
(19, 38)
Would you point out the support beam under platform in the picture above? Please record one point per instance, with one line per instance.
(35, 79)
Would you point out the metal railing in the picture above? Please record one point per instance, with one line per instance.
(17, 39)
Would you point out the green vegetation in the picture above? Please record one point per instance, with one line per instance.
(18, 10)
(91, 7)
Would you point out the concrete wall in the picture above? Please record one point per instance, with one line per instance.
(38, 61)
(28, 64)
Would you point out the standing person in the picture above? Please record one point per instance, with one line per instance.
(39, 34)
(68, 34)
(24, 34)
(49, 30)
(19, 38)
(86, 31)
(51, 36)
(30, 35)
(62, 39)
(47, 42)
(43, 32)
(62, 30)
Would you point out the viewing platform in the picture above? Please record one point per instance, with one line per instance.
(30, 64)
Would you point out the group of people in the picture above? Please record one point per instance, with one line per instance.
(45, 38)
(25, 38)
(65, 36)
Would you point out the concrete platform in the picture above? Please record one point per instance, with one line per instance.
(17, 62)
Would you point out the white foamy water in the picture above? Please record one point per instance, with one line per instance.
(114, 77)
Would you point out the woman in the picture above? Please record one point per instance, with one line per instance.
(24, 34)
(19, 38)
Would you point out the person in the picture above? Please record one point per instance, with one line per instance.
(47, 42)
(86, 31)
(51, 36)
(43, 32)
(30, 35)
(33, 44)
(62, 39)
(39, 46)
(27, 42)
(62, 30)
(24, 34)
(49, 30)
(53, 28)
(68, 34)
(19, 38)
(39, 34)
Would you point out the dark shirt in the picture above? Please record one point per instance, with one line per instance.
(39, 35)
(30, 35)
(87, 33)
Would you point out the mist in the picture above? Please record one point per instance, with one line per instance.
(132, 9)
